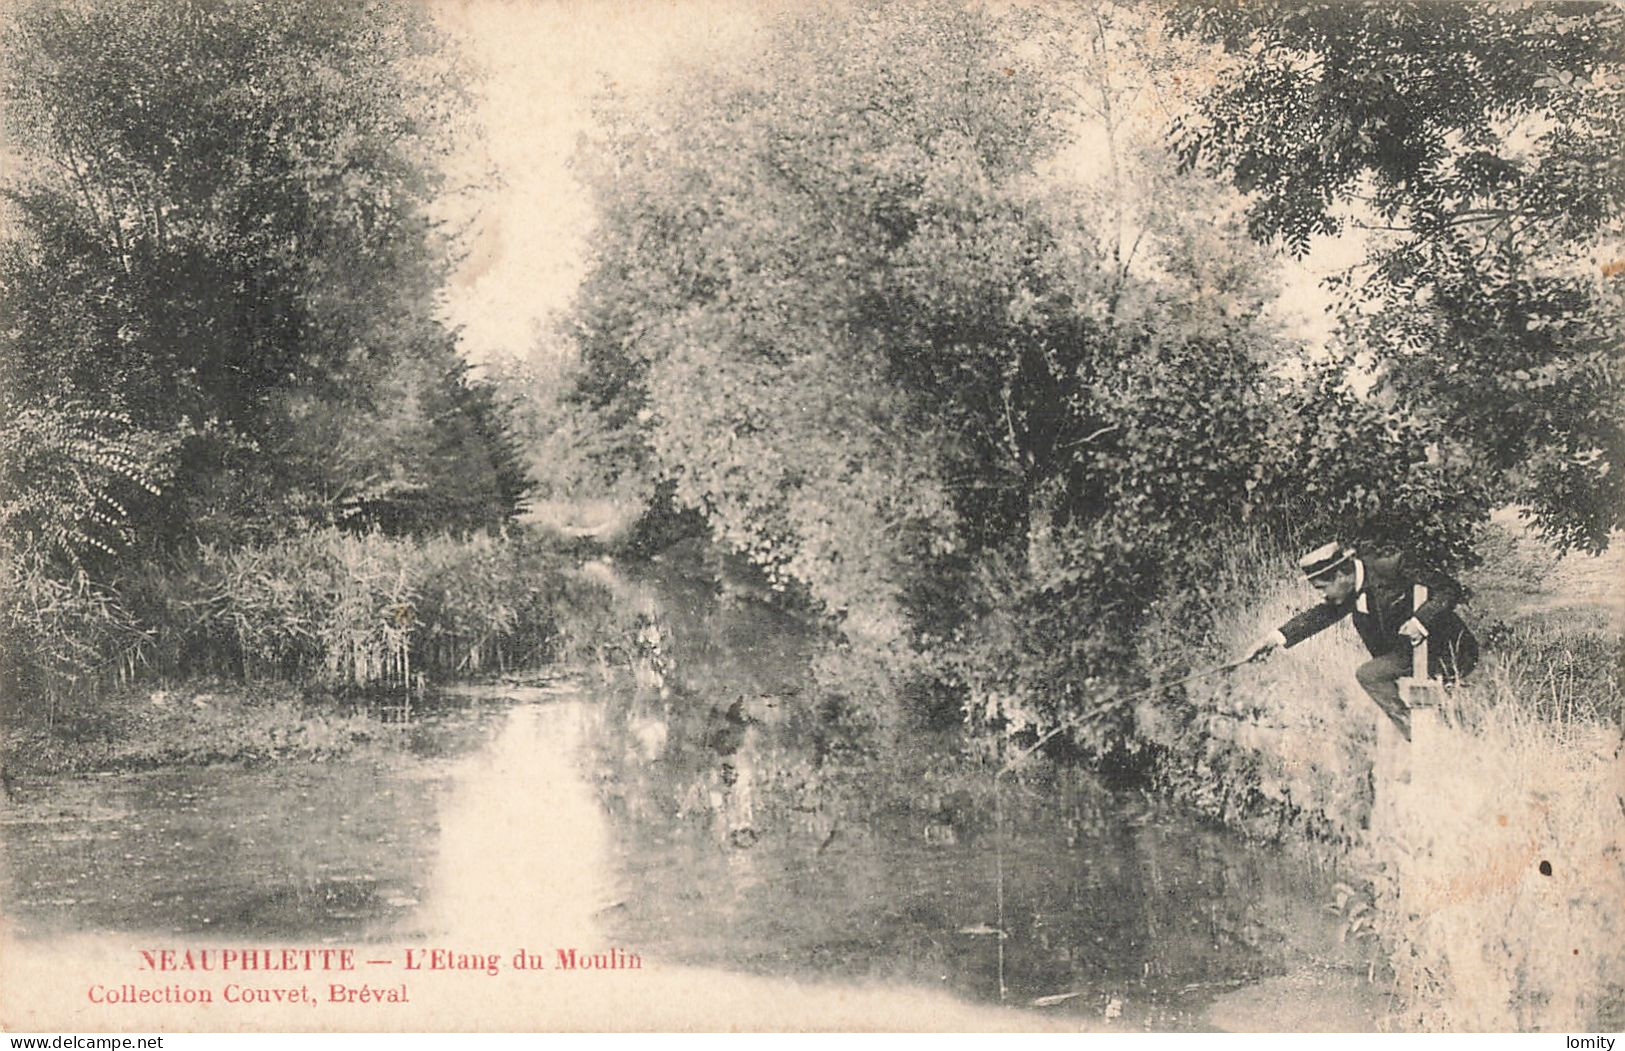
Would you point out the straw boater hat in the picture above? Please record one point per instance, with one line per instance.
(1325, 560)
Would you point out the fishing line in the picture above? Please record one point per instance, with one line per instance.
(1000, 933)
(998, 862)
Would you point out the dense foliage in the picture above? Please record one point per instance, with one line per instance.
(221, 235)
(977, 395)
(1476, 147)
(220, 268)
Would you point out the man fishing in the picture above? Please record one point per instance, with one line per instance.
(1378, 592)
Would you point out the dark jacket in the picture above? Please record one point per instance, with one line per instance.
(1387, 590)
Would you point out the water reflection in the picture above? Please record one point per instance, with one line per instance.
(687, 814)
(741, 848)
(523, 849)
(330, 850)
(1152, 913)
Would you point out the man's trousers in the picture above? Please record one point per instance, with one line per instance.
(1380, 676)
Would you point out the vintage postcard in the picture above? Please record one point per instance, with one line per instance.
(706, 515)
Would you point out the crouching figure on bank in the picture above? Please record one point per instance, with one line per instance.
(1378, 593)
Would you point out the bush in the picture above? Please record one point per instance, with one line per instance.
(66, 471)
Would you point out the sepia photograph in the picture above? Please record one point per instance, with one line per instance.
(795, 516)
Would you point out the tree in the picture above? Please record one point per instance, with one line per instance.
(847, 304)
(1476, 149)
(223, 217)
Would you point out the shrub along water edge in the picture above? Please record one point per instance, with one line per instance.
(326, 608)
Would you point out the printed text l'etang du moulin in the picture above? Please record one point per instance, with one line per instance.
(334, 975)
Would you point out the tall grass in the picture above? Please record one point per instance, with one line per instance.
(62, 636)
(326, 608)
(1527, 768)
(1500, 870)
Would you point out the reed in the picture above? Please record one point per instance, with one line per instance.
(377, 611)
(62, 636)
(325, 608)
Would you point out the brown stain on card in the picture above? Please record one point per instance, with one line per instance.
(1500, 873)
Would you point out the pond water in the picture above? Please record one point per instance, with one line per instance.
(700, 832)
(737, 848)
(334, 850)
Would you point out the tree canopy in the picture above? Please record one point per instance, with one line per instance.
(222, 233)
(849, 304)
(1477, 148)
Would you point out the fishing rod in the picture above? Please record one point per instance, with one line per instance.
(1111, 706)
(998, 809)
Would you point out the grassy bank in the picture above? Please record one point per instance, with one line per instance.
(1492, 878)
(193, 723)
(1498, 876)
(260, 651)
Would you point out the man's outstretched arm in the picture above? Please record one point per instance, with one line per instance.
(1311, 621)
